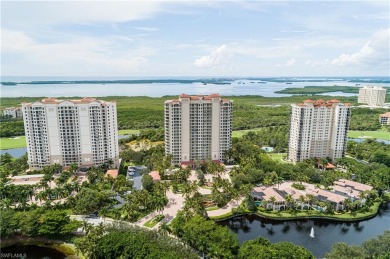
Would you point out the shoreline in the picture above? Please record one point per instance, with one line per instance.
(68, 249)
(337, 218)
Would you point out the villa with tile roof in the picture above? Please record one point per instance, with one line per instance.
(341, 190)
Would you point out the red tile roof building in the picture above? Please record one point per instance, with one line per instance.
(384, 119)
(318, 129)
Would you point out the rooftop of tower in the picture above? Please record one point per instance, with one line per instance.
(51, 100)
(321, 103)
(198, 97)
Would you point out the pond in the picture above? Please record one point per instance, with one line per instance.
(14, 152)
(360, 140)
(31, 252)
(298, 231)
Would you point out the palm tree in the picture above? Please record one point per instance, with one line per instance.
(163, 229)
(162, 187)
(190, 189)
(309, 198)
(279, 180)
(290, 200)
(160, 203)
(76, 186)
(273, 200)
(347, 204)
(323, 162)
(103, 212)
(301, 199)
(73, 168)
(110, 163)
(86, 227)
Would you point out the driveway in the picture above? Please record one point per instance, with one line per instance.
(176, 202)
(136, 178)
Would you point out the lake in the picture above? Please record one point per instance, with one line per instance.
(237, 87)
(14, 152)
(298, 231)
(360, 140)
(31, 252)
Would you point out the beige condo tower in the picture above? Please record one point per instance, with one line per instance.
(197, 128)
(318, 129)
(64, 132)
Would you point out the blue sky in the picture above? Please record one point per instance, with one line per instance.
(195, 38)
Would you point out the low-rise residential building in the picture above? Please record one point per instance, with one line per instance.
(13, 112)
(281, 196)
(155, 175)
(112, 173)
(384, 119)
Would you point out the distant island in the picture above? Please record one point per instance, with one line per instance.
(138, 81)
(310, 90)
(205, 81)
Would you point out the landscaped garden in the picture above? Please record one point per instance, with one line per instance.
(154, 221)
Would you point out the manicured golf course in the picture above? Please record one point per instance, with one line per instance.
(13, 142)
(380, 134)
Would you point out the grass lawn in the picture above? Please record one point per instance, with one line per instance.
(153, 222)
(369, 134)
(13, 142)
(240, 133)
(128, 132)
(222, 216)
(212, 208)
(277, 156)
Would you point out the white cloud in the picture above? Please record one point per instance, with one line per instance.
(290, 62)
(374, 52)
(317, 63)
(77, 56)
(217, 58)
(28, 14)
(146, 28)
(355, 58)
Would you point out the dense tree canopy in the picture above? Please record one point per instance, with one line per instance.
(148, 113)
(90, 200)
(373, 248)
(206, 236)
(262, 248)
(139, 243)
(38, 221)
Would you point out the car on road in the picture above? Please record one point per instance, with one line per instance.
(91, 216)
(130, 170)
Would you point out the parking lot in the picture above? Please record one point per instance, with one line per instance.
(136, 177)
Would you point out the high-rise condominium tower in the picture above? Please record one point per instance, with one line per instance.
(64, 132)
(318, 129)
(198, 128)
(372, 95)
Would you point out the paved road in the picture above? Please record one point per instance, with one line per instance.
(120, 200)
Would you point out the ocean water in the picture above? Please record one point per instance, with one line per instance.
(265, 87)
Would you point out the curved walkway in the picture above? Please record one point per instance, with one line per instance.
(226, 209)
